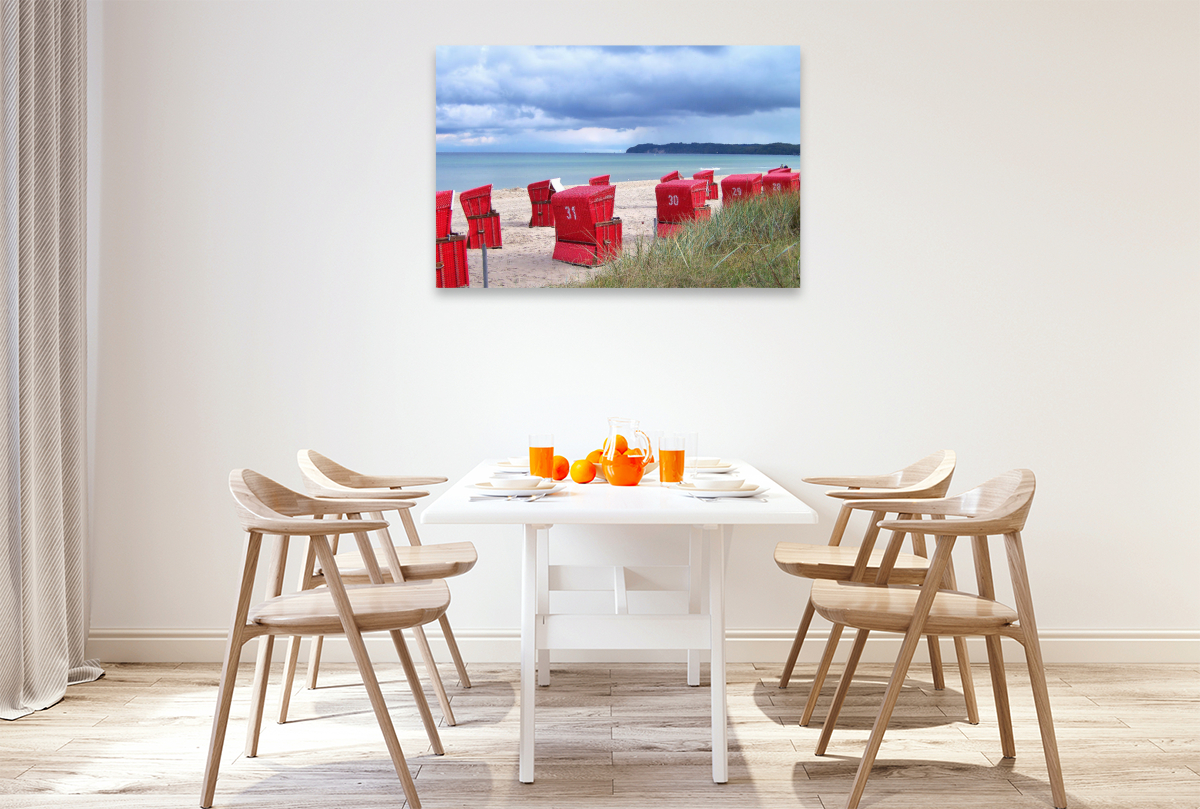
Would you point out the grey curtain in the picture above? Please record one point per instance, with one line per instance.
(43, 496)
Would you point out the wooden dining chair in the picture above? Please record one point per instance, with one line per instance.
(405, 563)
(997, 508)
(928, 477)
(268, 509)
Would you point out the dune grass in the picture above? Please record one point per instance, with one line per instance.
(752, 244)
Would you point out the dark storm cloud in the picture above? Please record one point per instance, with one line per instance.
(506, 90)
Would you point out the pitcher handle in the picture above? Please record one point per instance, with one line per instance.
(649, 446)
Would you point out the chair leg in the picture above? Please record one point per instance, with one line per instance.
(464, 680)
(1008, 742)
(262, 666)
(233, 651)
(899, 672)
(935, 662)
(434, 676)
(414, 684)
(314, 661)
(912, 638)
(367, 672)
(289, 676)
(790, 663)
(293, 650)
(935, 647)
(839, 697)
(220, 722)
(258, 694)
(1037, 669)
(964, 659)
(1041, 701)
(835, 634)
(968, 682)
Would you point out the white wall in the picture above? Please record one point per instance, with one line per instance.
(1000, 256)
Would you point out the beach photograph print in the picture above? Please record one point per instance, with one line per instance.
(581, 166)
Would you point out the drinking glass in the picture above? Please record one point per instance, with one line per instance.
(541, 455)
(691, 452)
(671, 455)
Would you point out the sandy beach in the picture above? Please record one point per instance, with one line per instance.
(525, 259)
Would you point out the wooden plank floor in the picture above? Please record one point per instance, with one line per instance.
(610, 736)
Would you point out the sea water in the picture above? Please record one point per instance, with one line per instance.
(460, 171)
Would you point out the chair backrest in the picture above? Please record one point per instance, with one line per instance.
(261, 501)
(324, 477)
(266, 507)
(1003, 501)
(932, 470)
(928, 477)
(321, 472)
(999, 506)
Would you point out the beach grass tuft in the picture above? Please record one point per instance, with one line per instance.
(755, 243)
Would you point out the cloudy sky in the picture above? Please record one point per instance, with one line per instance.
(606, 99)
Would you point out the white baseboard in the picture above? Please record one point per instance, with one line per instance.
(742, 646)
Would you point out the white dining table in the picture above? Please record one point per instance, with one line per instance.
(597, 503)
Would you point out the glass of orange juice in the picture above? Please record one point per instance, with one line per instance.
(541, 455)
(670, 457)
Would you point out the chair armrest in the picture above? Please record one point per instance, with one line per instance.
(308, 528)
(914, 505)
(878, 494)
(348, 505)
(949, 528)
(360, 494)
(855, 481)
(398, 481)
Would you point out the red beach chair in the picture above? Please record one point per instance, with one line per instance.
(483, 224)
(601, 179)
(452, 261)
(680, 201)
(585, 230)
(781, 181)
(707, 176)
(739, 187)
(539, 197)
(444, 199)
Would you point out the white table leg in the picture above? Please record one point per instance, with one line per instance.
(716, 608)
(528, 650)
(695, 563)
(543, 598)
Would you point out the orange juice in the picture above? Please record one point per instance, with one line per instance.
(670, 465)
(541, 461)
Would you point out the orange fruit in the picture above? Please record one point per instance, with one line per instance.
(595, 455)
(560, 467)
(583, 471)
(622, 445)
(634, 451)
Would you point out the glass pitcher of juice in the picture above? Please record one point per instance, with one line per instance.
(628, 453)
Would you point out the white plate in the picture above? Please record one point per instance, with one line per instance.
(509, 466)
(498, 489)
(708, 465)
(709, 470)
(747, 490)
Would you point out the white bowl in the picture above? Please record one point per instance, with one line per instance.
(700, 463)
(722, 483)
(519, 461)
(518, 482)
